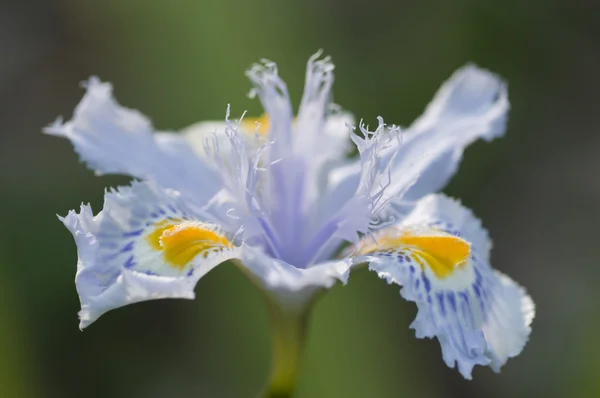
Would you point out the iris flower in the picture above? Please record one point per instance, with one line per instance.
(283, 197)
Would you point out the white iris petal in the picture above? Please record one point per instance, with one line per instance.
(279, 195)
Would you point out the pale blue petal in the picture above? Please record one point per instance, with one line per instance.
(357, 191)
(284, 185)
(117, 262)
(292, 286)
(479, 316)
(300, 156)
(114, 139)
(472, 104)
(273, 94)
(201, 135)
(194, 138)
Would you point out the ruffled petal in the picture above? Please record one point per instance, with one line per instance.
(439, 255)
(114, 139)
(145, 244)
(273, 94)
(400, 166)
(314, 106)
(472, 104)
(300, 153)
(292, 286)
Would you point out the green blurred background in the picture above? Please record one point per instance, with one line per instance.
(537, 190)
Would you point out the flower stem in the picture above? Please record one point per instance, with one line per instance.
(288, 328)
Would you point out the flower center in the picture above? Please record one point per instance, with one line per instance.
(181, 242)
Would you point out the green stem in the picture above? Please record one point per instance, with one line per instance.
(289, 328)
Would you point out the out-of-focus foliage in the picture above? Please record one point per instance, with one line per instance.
(16, 367)
(537, 190)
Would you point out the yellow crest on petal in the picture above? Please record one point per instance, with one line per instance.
(441, 253)
(181, 242)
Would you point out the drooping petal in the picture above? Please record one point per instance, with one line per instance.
(291, 285)
(114, 139)
(145, 244)
(439, 255)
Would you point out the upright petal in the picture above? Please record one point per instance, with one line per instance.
(273, 94)
(353, 204)
(322, 143)
(314, 105)
(145, 244)
(439, 255)
(113, 139)
(336, 136)
(284, 182)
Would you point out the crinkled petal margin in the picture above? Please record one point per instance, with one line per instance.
(118, 264)
(480, 316)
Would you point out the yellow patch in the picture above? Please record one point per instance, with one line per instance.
(251, 125)
(154, 237)
(181, 242)
(441, 253)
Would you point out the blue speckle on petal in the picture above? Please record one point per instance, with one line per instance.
(440, 297)
(130, 263)
(427, 283)
(478, 277)
(128, 247)
(133, 233)
(452, 300)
